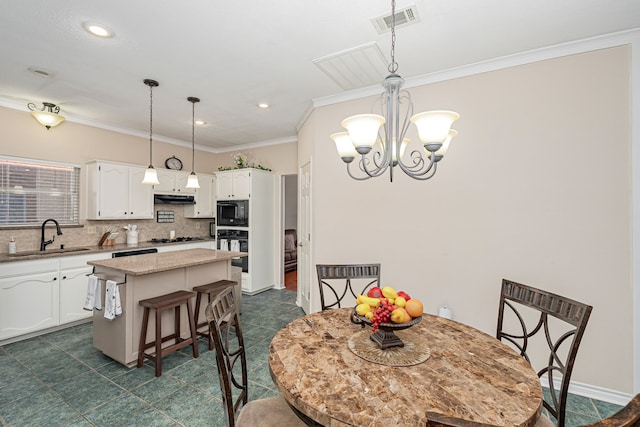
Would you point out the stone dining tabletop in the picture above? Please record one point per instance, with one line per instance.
(469, 376)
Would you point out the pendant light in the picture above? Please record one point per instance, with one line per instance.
(192, 182)
(150, 175)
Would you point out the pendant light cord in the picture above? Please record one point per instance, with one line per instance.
(150, 124)
(193, 136)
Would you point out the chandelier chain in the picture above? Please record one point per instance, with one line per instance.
(393, 67)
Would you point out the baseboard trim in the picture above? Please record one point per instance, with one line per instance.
(593, 392)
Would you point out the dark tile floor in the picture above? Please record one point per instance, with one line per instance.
(59, 379)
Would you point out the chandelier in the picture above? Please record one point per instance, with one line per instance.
(378, 141)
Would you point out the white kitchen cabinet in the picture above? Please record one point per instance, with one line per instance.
(115, 191)
(205, 206)
(172, 182)
(234, 184)
(28, 302)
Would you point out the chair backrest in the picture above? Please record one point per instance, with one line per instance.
(290, 239)
(629, 416)
(226, 332)
(573, 317)
(328, 275)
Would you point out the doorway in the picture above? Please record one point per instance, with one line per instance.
(290, 225)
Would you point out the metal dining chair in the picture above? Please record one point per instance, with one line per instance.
(341, 276)
(226, 334)
(628, 416)
(560, 321)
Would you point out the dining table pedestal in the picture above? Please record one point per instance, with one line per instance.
(466, 375)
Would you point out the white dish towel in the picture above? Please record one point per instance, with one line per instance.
(235, 246)
(112, 305)
(94, 291)
(224, 245)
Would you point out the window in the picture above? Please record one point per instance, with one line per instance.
(33, 190)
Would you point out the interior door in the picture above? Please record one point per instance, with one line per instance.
(304, 238)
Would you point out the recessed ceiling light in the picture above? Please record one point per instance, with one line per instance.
(99, 30)
(200, 122)
(264, 105)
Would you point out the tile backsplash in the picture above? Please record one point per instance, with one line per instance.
(28, 239)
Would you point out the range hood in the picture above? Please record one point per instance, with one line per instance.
(173, 199)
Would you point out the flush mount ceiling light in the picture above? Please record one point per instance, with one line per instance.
(150, 175)
(264, 105)
(47, 115)
(378, 152)
(192, 182)
(98, 30)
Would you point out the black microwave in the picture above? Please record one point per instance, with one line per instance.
(233, 213)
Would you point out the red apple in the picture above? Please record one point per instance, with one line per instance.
(404, 295)
(375, 292)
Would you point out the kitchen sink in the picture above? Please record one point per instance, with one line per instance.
(49, 252)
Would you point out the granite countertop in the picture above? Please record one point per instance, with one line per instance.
(154, 263)
(469, 375)
(86, 250)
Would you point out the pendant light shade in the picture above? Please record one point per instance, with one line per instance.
(192, 182)
(48, 115)
(150, 175)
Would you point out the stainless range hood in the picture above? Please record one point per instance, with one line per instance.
(173, 199)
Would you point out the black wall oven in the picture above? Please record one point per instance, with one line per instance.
(233, 213)
(226, 237)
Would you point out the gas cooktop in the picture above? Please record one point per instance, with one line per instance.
(176, 240)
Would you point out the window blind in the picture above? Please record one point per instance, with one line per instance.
(32, 191)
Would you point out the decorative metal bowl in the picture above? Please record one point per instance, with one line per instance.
(384, 336)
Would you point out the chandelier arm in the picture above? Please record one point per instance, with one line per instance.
(357, 178)
(377, 171)
(420, 167)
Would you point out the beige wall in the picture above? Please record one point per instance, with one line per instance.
(536, 188)
(22, 136)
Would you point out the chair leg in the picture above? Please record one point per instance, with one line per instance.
(192, 327)
(143, 337)
(158, 358)
(176, 324)
(209, 335)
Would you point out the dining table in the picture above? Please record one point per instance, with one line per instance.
(332, 374)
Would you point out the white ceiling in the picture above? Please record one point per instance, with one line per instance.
(235, 54)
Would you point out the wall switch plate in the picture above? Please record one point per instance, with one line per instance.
(91, 229)
(197, 226)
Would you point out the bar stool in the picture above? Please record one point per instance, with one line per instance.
(165, 302)
(211, 289)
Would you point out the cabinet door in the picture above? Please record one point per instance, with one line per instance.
(241, 184)
(113, 191)
(203, 207)
(181, 183)
(167, 179)
(140, 195)
(73, 292)
(28, 303)
(224, 186)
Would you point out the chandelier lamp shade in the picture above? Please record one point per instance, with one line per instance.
(47, 115)
(378, 142)
(192, 181)
(151, 175)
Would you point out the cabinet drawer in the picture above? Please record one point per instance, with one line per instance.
(20, 268)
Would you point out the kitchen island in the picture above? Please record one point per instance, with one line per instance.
(147, 276)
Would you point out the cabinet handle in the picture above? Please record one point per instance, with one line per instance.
(55, 278)
(64, 277)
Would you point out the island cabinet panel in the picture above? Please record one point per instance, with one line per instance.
(147, 276)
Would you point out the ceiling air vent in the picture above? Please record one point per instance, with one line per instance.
(407, 16)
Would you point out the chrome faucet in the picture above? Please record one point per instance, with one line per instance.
(43, 243)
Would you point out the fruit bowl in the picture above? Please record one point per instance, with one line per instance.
(384, 336)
